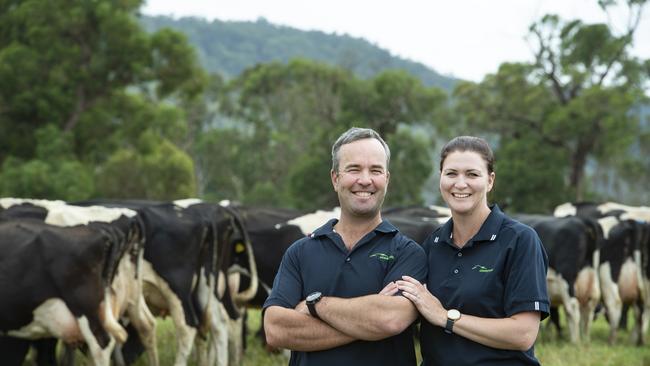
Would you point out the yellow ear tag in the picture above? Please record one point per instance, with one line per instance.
(240, 248)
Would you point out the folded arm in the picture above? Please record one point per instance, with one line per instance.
(370, 317)
(294, 330)
(517, 332)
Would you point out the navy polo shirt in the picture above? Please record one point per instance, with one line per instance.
(500, 272)
(321, 262)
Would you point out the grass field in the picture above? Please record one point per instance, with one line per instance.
(549, 350)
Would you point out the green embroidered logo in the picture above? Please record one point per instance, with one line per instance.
(382, 256)
(482, 269)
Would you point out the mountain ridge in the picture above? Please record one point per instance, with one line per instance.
(229, 47)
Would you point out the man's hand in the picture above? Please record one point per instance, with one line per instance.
(302, 307)
(390, 289)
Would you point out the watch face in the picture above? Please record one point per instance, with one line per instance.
(453, 314)
(313, 296)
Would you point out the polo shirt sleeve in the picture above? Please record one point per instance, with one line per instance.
(287, 285)
(525, 288)
(410, 260)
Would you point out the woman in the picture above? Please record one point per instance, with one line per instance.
(486, 290)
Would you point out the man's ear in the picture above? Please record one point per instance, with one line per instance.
(334, 176)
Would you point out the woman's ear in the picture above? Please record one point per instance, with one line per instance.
(491, 179)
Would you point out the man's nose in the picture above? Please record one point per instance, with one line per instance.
(364, 177)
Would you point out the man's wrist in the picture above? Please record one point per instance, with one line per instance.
(311, 301)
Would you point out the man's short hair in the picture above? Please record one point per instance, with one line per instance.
(356, 134)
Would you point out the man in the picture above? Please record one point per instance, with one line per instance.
(332, 300)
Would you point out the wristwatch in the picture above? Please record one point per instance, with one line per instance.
(452, 316)
(311, 301)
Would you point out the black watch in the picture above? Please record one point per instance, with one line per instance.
(311, 301)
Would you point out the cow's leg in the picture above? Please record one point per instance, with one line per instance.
(100, 357)
(235, 346)
(636, 336)
(185, 334)
(558, 290)
(611, 299)
(587, 289)
(145, 324)
(219, 328)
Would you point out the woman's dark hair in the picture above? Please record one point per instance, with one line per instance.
(469, 143)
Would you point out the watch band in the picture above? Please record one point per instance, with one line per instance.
(449, 327)
(311, 301)
(312, 309)
(452, 316)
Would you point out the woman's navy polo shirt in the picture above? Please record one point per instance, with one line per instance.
(321, 262)
(500, 272)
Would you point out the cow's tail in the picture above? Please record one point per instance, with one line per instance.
(248, 294)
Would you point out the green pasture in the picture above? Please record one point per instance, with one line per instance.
(549, 350)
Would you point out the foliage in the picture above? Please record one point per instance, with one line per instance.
(54, 173)
(228, 48)
(410, 167)
(293, 113)
(571, 105)
(86, 68)
(158, 170)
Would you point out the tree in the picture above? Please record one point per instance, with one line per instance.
(158, 170)
(53, 173)
(572, 103)
(286, 118)
(80, 66)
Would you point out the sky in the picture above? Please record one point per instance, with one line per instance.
(464, 38)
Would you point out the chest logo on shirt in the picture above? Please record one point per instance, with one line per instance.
(382, 256)
(482, 269)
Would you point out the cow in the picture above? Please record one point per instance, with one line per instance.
(187, 245)
(624, 269)
(123, 225)
(54, 281)
(573, 247)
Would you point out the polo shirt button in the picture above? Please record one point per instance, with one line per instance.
(347, 259)
(460, 254)
(456, 271)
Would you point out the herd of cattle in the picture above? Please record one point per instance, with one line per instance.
(96, 274)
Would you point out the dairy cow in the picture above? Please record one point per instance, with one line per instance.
(573, 247)
(623, 269)
(53, 282)
(124, 293)
(187, 245)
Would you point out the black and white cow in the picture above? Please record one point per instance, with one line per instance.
(573, 247)
(53, 282)
(623, 270)
(187, 245)
(124, 227)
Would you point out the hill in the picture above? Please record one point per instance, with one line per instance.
(228, 47)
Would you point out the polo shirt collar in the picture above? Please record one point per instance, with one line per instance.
(488, 231)
(384, 227)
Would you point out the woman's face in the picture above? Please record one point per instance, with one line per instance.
(465, 182)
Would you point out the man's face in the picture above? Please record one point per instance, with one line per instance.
(362, 178)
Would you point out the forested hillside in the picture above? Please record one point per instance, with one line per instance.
(94, 105)
(229, 47)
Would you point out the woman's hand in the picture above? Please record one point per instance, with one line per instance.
(427, 304)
